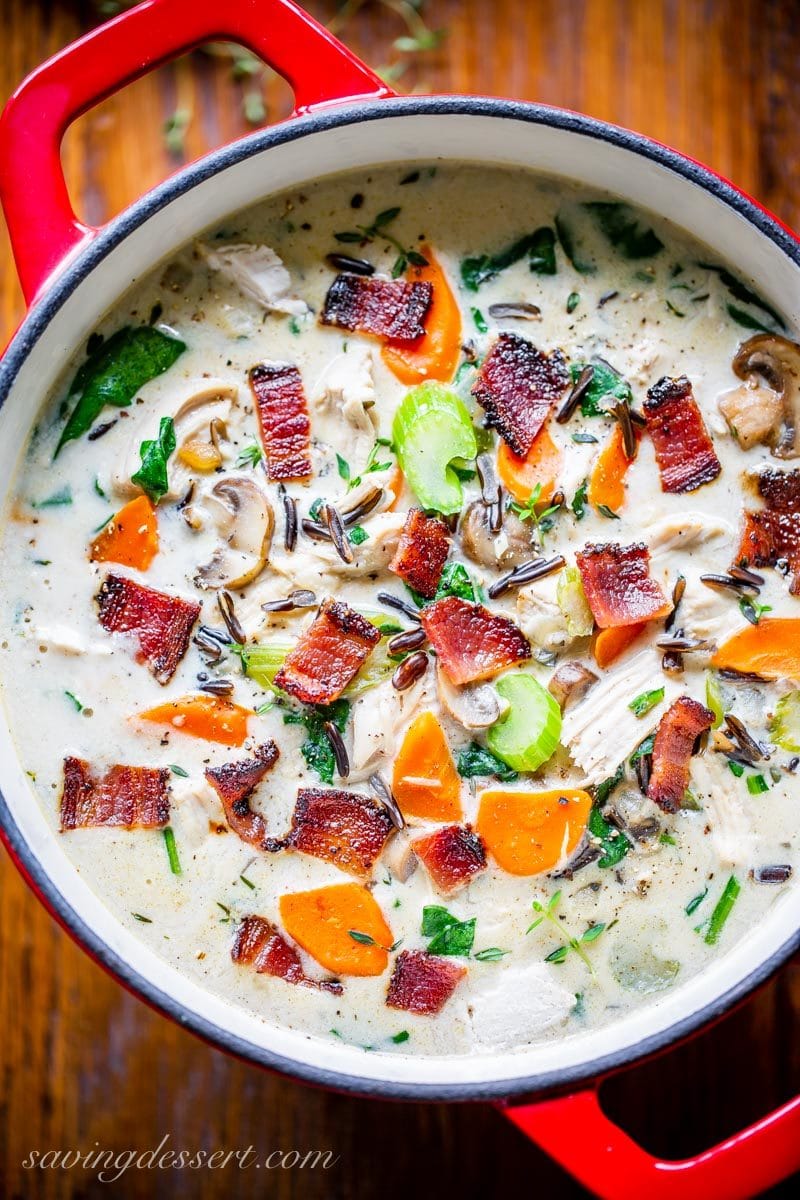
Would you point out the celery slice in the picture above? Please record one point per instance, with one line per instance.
(573, 604)
(714, 700)
(785, 725)
(431, 429)
(528, 733)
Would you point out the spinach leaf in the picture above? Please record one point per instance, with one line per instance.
(114, 373)
(449, 935)
(539, 246)
(455, 581)
(604, 789)
(435, 918)
(614, 845)
(317, 749)
(477, 760)
(606, 383)
(745, 295)
(566, 236)
(621, 226)
(152, 475)
(747, 320)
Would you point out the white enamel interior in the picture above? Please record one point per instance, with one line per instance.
(410, 137)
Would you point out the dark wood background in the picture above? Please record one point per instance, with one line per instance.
(82, 1062)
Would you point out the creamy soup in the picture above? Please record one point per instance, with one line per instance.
(399, 615)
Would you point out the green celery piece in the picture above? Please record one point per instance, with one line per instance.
(785, 725)
(571, 599)
(261, 663)
(715, 704)
(431, 428)
(115, 372)
(528, 734)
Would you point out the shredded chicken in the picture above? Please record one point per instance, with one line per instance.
(515, 1007)
(344, 403)
(378, 719)
(753, 413)
(258, 273)
(727, 811)
(68, 641)
(541, 620)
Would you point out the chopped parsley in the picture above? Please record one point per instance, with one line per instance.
(172, 851)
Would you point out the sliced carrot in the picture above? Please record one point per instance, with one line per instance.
(209, 717)
(770, 649)
(425, 781)
(610, 643)
(323, 922)
(607, 482)
(530, 832)
(542, 464)
(434, 355)
(130, 537)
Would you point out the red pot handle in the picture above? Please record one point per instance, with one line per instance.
(42, 224)
(576, 1132)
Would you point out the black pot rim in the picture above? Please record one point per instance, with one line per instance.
(29, 333)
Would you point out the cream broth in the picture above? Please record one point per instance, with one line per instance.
(71, 688)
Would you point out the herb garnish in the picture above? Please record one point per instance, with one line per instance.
(176, 770)
(172, 851)
(542, 521)
(152, 475)
(370, 465)
(449, 936)
(757, 785)
(642, 704)
(378, 230)
(480, 320)
(573, 300)
(476, 760)
(250, 456)
(539, 247)
(247, 882)
(621, 226)
(736, 768)
(490, 954)
(75, 701)
(114, 372)
(559, 955)
(745, 295)
(62, 496)
(579, 500)
(695, 902)
(366, 939)
(712, 928)
(607, 512)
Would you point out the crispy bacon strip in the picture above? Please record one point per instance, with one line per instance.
(422, 982)
(471, 642)
(452, 856)
(390, 308)
(517, 386)
(160, 623)
(678, 730)
(283, 416)
(617, 583)
(684, 451)
(128, 797)
(772, 534)
(421, 554)
(235, 783)
(260, 944)
(343, 828)
(328, 655)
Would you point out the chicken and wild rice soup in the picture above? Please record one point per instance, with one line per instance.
(401, 609)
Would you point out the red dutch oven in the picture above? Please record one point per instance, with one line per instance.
(347, 118)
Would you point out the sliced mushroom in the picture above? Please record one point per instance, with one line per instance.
(774, 361)
(570, 683)
(634, 814)
(200, 417)
(243, 518)
(507, 548)
(476, 706)
(400, 858)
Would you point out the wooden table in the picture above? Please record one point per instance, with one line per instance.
(83, 1063)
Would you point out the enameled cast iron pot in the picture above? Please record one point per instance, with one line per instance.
(346, 117)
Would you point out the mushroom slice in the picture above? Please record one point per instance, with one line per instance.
(475, 706)
(200, 417)
(509, 547)
(570, 683)
(244, 520)
(775, 361)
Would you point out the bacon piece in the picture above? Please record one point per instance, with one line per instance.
(260, 944)
(617, 583)
(452, 856)
(328, 655)
(422, 982)
(678, 730)
(684, 451)
(772, 533)
(235, 783)
(421, 554)
(471, 642)
(283, 416)
(343, 828)
(517, 386)
(128, 797)
(160, 623)
(390, 308)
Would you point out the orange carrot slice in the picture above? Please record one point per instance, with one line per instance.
(530, 832)
(208, 717)
(130, 537)
(607, 482)
(322, 921)
(434, 355)
(425, 781)
(770, 649)
(542, 464)
(610, 643)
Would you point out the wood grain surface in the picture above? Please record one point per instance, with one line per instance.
(83, 1064)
